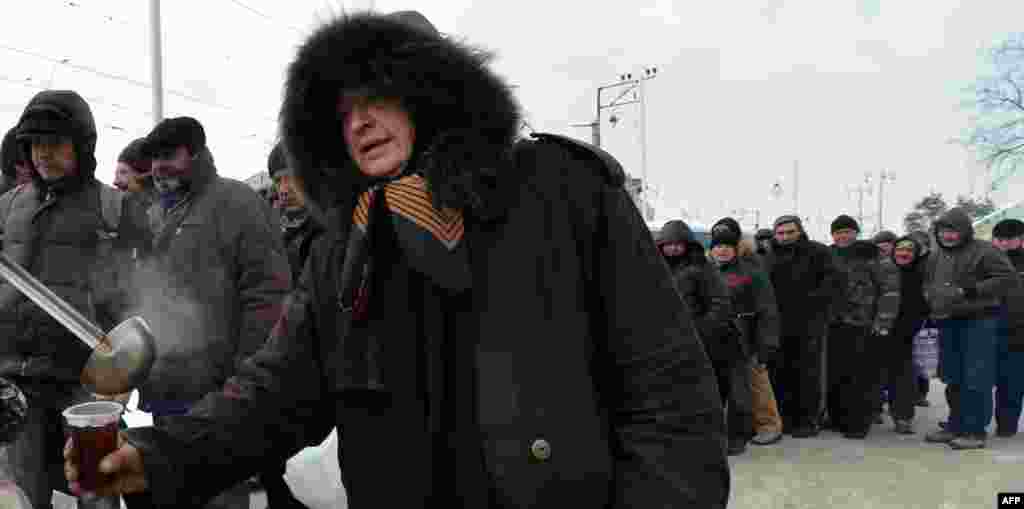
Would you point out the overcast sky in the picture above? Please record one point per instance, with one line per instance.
(744, 89)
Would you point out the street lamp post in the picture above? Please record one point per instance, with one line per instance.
(883, 177)
(862, 188)
(157, 62)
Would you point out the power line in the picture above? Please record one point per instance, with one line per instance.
(267, 17)
(125, 79)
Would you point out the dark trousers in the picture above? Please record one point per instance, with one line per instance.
(797, 376)
(904, 389)
(734, 386)
(1009, 383)
(968, 363)
(854, 377)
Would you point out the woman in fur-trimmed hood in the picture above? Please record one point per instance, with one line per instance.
(466, 117)
(452, 254)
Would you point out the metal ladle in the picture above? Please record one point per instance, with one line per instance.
(120, 360)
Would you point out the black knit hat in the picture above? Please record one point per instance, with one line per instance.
(884, 236)
(172, 133)
(843, 222)
(276, 161)
(1008, 229)
(726, 231)
(134, 157)
(787, 219)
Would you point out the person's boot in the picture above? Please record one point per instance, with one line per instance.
(968, 442)
(767, 438)
(737, 446)
(1005, 430)
(903, 426)
(806, 431)
(942, 436)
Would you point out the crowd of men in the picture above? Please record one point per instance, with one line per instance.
(485, 319)
(805, 337)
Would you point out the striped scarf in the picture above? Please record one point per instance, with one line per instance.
(409, 199)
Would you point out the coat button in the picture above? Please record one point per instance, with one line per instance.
(540, 449)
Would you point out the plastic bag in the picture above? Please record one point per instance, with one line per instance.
(926, 351)
(314, 475)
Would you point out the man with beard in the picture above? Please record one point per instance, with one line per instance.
(472, 305)
(1008, 236)
(863, 317)
(908, 256)
(212, 287)
(757, 317)
(299, 229)
(62, 226)
(966, 281)
(804, 277)
(707, 297)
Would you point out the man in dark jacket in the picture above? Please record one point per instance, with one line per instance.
(213, 285)
(885, 240)
(757, 317)
(1007, 236)
(921, 375)
(497, 339)
(707, 297)
(864, 314)
(62, 226)
(909, 257)
(966, 281)
(804, 277)
(763, 241)
(298, 228)
(16, 169)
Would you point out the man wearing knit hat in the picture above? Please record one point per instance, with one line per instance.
(864, 314)
(757, 317)
(214, 283)
(298, 227)
(1008, 236)
(804, 277)
(885, 240)
(486, 319)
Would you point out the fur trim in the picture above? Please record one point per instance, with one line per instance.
(466, 117)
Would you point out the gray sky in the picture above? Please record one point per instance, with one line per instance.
(744, 88)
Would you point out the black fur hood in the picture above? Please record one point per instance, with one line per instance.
(465, 116)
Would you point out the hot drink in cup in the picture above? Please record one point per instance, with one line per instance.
(94, 428)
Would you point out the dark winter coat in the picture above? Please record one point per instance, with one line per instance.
(211, 288)
(870, 293)
(298, 241)
(913, 306)
(618, 387)
(1014, 303)
(59, 233)
(753, 299)
(805, 278)
(981, 271)
(705, 293)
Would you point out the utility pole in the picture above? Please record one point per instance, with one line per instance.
(157, 61)
(883, 177)
(796, 188)
(862, 188)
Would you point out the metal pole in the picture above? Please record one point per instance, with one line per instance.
(643, 137)
(796, 187)
(881, 198)
(157, 62)
(597, 120)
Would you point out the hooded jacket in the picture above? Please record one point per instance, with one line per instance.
(704, 292)
(870, 295)
(968, 280)
(211, 287)
(59, 233)
(913, 307)
(556, 246)
(1013, 305)
(805, 278)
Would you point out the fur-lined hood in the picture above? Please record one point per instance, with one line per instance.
(465, 116)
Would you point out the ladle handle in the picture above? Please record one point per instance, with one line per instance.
(55, 306)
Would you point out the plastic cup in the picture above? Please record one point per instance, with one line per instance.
(94, 428)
